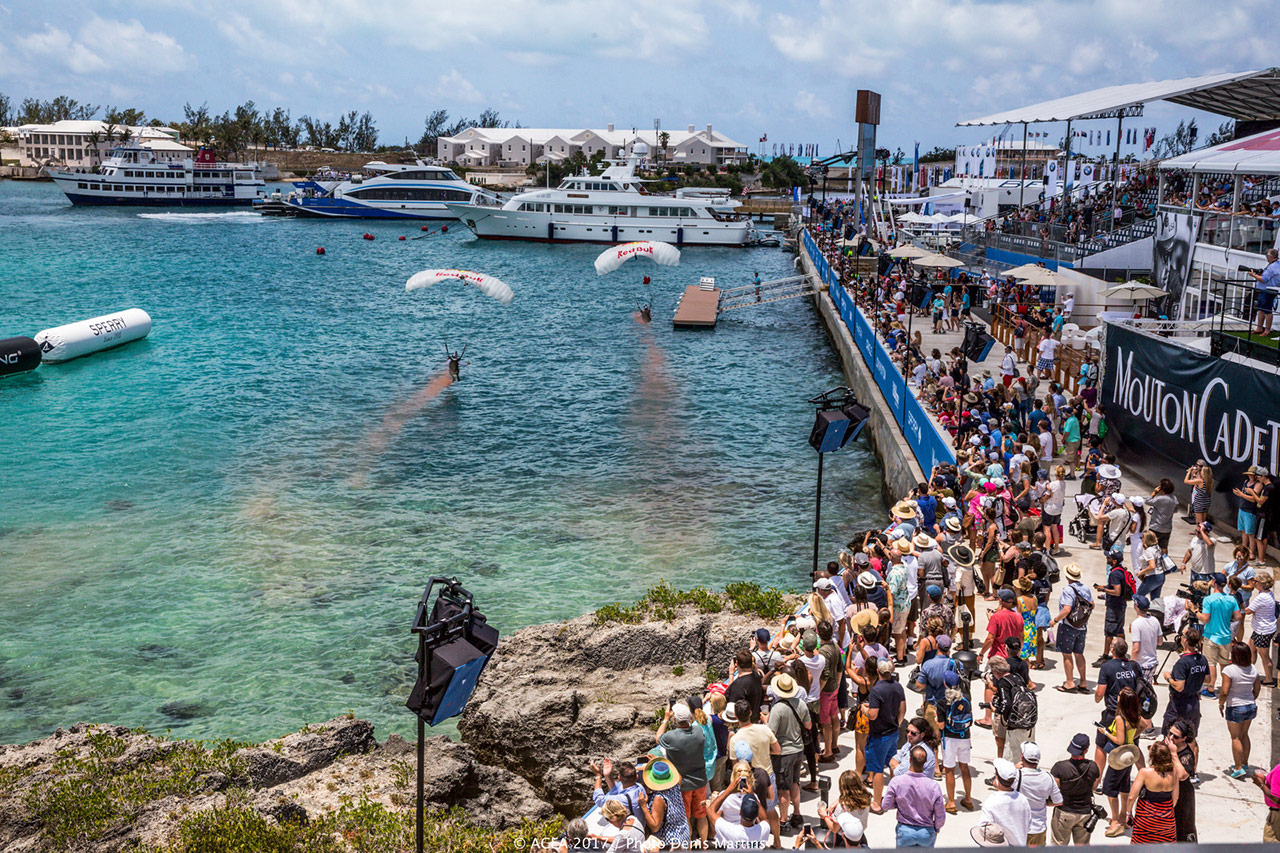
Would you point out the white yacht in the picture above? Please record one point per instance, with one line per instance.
(382, 191)
(132, 175)
(612, 208)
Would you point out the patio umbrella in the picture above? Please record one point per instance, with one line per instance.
(1134, 290)
(1024, 271)
(1042, 277)
(913, 217)
(941, 261)
(909, 252)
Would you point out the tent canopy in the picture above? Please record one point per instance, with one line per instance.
(1237, 94)
(1254, 155)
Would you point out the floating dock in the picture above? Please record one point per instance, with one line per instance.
(698, 307)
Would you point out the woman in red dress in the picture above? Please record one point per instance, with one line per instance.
(1152, 798)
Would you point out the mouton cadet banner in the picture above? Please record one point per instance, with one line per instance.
(1187, 405)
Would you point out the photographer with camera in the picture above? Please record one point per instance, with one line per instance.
(1218, 613)
(1185, 681)
(1076, 816)
(1269, 279)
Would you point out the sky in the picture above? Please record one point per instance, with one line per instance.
(786, 69)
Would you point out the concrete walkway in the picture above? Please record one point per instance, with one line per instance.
(1226, 809)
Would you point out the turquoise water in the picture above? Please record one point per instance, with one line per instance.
(233, 519)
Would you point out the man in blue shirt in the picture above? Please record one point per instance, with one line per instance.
(1218, 612)
(1269, 286)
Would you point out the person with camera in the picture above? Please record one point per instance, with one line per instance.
(1075, 604)
(664, 816)
(1200, 478)
(1180, 736)
(1115, 675)
(749, 833)
(1199, 559)
(1218, 613)
(626, 789)
(1007, 808)
(886, 708)
(1076, 815)
(1041, 790)
(1014, 708)
(918, 802)
(1185, 680)
(683, 747)
(1269, 285)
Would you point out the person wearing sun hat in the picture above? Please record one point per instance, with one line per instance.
(1006, 807)
(789, 719)
(663, 813)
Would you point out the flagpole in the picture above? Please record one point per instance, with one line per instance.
(1115, 178)
(1022, 184)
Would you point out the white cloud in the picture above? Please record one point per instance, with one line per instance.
(452, 86)
(102, 45)
(811, 105)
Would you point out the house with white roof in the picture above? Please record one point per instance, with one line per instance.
(82, 144)
(521, 146)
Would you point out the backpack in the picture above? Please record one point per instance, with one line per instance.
(1023, 710)
(1148, 702)
(1128, 586)
(1078, 618)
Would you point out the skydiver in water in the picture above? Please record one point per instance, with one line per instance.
(455, 362)
(645, 314)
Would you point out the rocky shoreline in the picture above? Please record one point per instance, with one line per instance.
(554, 698)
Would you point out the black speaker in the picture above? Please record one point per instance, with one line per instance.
(452, 669)
(977, 343)
(829, 430)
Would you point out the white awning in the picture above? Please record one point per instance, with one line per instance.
(1254, 155)
(928, 199)
(1236, 94)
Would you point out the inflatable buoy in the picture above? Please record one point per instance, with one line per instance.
(444, 229)
(18, 355)
(73, 340)
(319, 250)
(426, 228)
(368, 236)
(401, 236)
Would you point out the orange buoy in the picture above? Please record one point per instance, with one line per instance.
(444, 229)
(401, 236)
(426, 228)
(319, 250)
(368, 236)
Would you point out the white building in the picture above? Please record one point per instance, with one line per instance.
(83, 144)
(521, 146)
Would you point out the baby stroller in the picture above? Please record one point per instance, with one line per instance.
(1082, 526)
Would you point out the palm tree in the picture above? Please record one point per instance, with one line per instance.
(94, 138)
(664, 139)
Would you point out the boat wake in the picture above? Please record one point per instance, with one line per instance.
(205, 218)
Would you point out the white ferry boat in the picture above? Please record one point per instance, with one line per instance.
(612, 208)
(131, 175)
(382, 191)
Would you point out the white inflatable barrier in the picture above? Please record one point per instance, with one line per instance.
(73, 340)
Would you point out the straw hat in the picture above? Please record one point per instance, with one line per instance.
(1023, 585)
(866, 580)
(1109, 472)
(904, 509)
(1072, 571)
(924, 541)
(784, 686)
(953, 524)
(661, 775)
(1123, 757)
(903, 547)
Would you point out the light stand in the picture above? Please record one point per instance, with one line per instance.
(840, 419)
(454, 644)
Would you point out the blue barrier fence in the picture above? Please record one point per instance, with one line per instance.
(930, 444)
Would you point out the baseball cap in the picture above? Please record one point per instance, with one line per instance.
(1119, 498)
(681, 712)
(933, 590)
(1005, 594)
(1030, 751)
(1005, 770)
(810, 641)
(885, 666)
(1079, 745)
(1141, 602)
(1219, 578)
(944, 642)
(948, 501)
(742, 750)
(750, 807)
(975, 441)
(762, 634)
(861, 559)
(951, 678)
(822, 583)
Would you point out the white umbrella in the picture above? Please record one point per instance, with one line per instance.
(1043, 277)
(1134, 290)
(913, 217)
(941, 261)
(1024, 271)
(909, 252)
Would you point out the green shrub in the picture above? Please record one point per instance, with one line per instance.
(754, 600)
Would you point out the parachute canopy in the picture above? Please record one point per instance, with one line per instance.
(658, 252)
(487, 284)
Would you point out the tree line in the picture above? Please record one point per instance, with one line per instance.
(246, 126)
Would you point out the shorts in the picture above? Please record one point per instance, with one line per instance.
(1044, 364)
(1162, 538)
(1100, 740)
(900, 621)
(1218, 654)
(789, 771)
(1149, 671)
(1263, 641)
(879, 750)
(829, 707)
(998, 728)
(695, 802)
(964, 583)
(955, 750)
(914, 613)
(1071, 447)
(1070, 641)
(1247, 523)
(1043, 619)
(1266, 301)
(907, 835)
(1242, 713)
(1047, 520)
(1113, 626)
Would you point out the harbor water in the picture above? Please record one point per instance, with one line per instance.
(223, 529)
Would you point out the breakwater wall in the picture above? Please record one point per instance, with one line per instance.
(901, 470)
